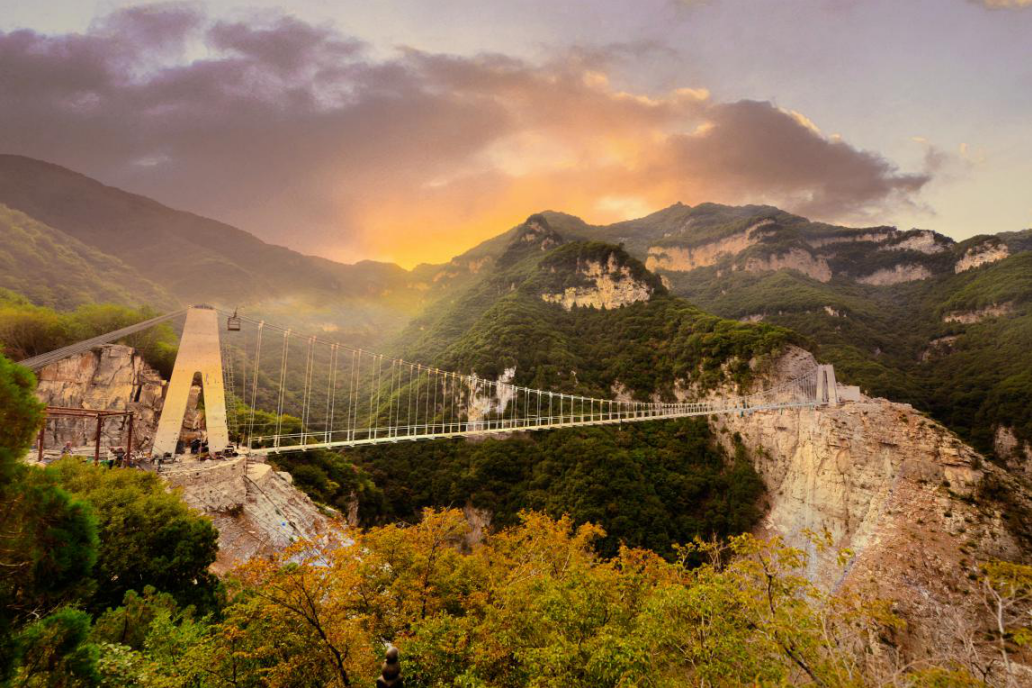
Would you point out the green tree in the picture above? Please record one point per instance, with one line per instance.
(148, 536)
(48, 545)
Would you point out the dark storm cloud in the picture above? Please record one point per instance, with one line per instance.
(754, 149)
(294, 131)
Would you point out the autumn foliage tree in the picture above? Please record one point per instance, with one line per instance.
(536, 605)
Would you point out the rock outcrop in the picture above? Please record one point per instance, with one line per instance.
(982, 254)
(108, 377)
(922, 241)
(853, 237)
(610, 285)
(1016, 453)
(971, 317)
(684, 259)
(904, 272)
(895, 488)
(256, 509)
(794, 259)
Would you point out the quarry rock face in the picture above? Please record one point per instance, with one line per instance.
(612, 287)
(895, 488)
(108, 377)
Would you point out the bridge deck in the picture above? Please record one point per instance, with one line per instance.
(393, 435)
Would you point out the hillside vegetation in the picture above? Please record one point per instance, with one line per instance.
(53, 269)
(652, 485)
(899, 340)
(502, 322)
(28, 330)
(98, 603)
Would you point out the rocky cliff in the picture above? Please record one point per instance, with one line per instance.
(898, 490)
(687, 258)
(607, 285)
(256, 509)
(108, 377)
(989, 251)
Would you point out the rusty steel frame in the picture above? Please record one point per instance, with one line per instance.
(99, 414)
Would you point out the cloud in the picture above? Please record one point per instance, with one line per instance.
(1005, 4)
(297, 133)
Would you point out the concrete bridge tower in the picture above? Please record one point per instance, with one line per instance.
(199, 352)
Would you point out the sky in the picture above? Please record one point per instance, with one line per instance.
(410, 130)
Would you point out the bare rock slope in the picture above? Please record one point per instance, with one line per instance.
(897, 489)
(256, 509)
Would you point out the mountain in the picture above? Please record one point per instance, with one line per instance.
(870, 478)
(909, 315)
(53, 269)
(551, 305)
(584, 318)
(196, 259)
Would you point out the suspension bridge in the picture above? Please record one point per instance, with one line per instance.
(279, 390)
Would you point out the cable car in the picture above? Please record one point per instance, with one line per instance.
(233, 322)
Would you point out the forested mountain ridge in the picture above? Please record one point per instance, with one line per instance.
(198, 260)
(586, 318)
(912, 316)
(53, 269)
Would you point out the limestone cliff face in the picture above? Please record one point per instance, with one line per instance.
(1016, 453)
(904, 272)
(982, 254)
(794, 259)
(611, 285)
(894, 487)
(684, 259)
(970, 317)
(108, 377)
(481, 405)
(256, 509)
(878, 237)
(922, 241)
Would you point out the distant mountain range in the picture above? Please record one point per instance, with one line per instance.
(188, 258)
(910, 315)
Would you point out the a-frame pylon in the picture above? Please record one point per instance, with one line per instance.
(199, 352)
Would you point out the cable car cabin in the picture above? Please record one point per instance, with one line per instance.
(233, 323)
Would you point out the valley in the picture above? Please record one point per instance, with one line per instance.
(901, 495)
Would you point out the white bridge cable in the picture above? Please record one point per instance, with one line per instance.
(387, 399)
